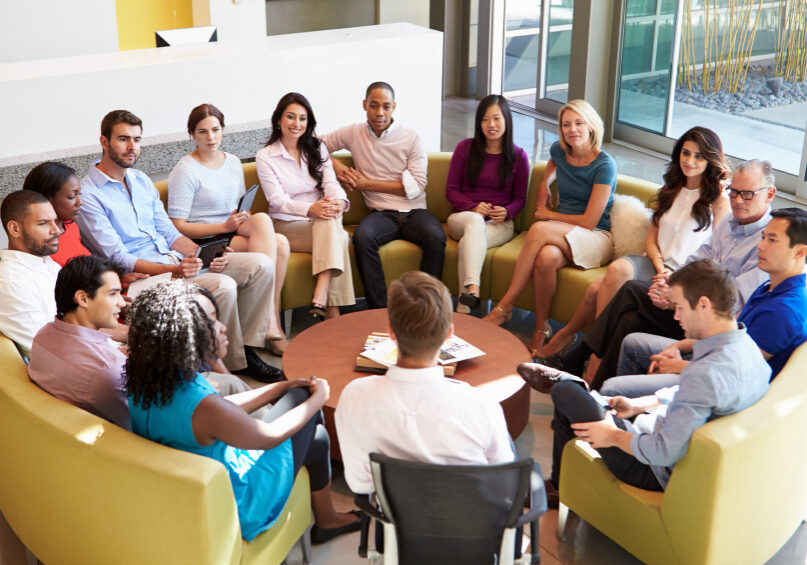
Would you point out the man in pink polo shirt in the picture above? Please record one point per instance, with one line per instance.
(390, 171)
(70, 357)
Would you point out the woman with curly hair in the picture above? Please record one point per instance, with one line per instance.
(306, 201)
(174, 330)
(688, 207)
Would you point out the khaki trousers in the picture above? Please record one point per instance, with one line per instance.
(328, 242)
(475, 237)
(246, 313)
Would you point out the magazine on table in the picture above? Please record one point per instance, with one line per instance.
(381, 349)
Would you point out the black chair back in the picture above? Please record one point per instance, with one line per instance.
(450, 513)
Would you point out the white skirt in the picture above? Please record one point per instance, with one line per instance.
(590, 248)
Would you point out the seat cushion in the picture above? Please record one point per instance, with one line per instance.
(628, 515)
(272, 546)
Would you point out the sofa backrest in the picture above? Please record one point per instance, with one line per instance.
(741, 490)
(436, 190)
(78, 489)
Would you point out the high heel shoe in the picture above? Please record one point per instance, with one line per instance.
(506, 315)
(546, 333)
(317, 310)
(544, 359)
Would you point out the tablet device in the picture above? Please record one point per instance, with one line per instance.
(212, 249)
(245, 204)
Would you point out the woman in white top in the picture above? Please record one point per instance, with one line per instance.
(203, 193)
(306, 201)
(688, 207)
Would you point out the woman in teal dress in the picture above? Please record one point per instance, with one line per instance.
(174, 331)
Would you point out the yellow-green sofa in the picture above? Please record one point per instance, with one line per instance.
(736, 497)
(78, 490)
(400, 256)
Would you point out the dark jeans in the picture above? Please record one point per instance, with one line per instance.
(573, 404)
(630, 310)
(311, 445)
(380, 227)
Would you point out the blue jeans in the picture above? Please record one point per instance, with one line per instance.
(380, 227)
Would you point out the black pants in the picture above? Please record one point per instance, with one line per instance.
(573, 405)
(380, 227)
(311, 445)
(630, 310)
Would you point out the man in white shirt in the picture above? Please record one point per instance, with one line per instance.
(27, 273)
(390, 171)
(413, 412)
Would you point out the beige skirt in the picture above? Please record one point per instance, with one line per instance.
(590, 248)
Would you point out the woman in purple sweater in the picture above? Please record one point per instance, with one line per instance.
(487, 188)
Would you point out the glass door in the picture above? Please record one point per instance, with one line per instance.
(646, 64)
(738, 67)
(537, 49)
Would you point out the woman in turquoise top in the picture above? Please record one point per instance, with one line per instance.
(174, 330)
(578, 232)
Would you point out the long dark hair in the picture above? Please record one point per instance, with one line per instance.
(48, 178)
(476, 155)
(170, 336)
(710, 146)
(308, 143)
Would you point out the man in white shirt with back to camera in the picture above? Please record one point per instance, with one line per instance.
(413, 412)
(390, 171)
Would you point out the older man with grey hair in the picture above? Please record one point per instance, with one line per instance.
(641, 306)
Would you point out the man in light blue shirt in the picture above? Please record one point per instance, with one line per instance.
(727, 374)
(123, 219)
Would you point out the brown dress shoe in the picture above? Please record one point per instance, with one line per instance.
(540, 377)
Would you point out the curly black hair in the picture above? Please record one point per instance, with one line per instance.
(170, 336)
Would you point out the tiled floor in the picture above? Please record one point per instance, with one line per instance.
(584, 544)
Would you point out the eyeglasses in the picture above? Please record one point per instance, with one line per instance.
(744, 194)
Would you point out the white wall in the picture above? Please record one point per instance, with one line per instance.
(414, 11)
(235, 20)
(57, 104)
(38, 29)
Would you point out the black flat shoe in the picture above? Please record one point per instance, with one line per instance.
(470, 300)
(259, 370)
(317, 310)
(322, 535)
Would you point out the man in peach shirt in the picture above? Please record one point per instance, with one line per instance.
(390, 171)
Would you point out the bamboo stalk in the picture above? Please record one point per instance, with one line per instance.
(747, 56)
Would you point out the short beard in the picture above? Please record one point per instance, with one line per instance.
(115, 158)
(34, 248)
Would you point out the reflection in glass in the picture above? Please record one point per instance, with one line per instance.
(522, 57)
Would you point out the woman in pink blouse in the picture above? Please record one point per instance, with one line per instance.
(306, 201)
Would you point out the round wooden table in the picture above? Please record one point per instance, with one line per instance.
(329, 350)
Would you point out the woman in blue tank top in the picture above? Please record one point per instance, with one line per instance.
(175, 330)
